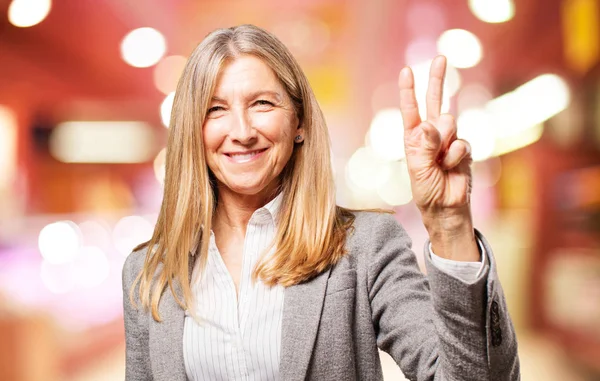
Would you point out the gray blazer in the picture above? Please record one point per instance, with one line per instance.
(435, 327)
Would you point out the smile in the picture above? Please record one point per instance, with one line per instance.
(245, 157)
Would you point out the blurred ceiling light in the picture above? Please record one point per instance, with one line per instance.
(519, 140)
(397, 190)
(129, 232)
(451, 85)
(102, 142)
(91, 267)
(493, 11)
(8, 146)
(530, 104)
(165, 109)
(159, 166)
(60, 242)
(143, 47)
(461, 47)
(366, 170)
(386, 134)
(167, 73)
(475, 127)
(26, 13)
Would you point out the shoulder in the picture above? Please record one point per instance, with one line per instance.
(133, 265)
(375, 229)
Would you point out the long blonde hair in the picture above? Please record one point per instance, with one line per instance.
(311, 231)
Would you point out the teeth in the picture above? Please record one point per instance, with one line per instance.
(242, 158)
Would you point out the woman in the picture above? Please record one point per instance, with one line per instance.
(254, 273)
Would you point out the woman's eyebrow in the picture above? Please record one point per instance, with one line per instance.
(251, 95)
(256, 94)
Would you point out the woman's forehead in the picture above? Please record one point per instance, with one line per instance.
(247, 75)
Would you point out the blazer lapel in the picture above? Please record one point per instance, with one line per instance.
(302, 308)
(166, 338)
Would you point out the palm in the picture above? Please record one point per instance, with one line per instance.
(438, 162)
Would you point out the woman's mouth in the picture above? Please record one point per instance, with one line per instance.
(245, 157)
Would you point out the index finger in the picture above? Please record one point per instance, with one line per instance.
(408, 101)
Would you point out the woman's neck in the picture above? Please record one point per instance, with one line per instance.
(234, 210)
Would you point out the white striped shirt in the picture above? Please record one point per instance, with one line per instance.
(236, 339)
(241, 339)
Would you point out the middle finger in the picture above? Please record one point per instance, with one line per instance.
(435, 88)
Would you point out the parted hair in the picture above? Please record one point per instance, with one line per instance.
(311, 230)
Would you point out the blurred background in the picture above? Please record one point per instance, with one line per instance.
(86, 88)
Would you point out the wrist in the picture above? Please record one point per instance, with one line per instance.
(450, 222)
(452, 234)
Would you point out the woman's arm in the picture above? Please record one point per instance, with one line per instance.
(439, 327)
(137, 354)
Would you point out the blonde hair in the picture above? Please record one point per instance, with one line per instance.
(311, 231)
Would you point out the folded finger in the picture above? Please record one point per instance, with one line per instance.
(456, 153)
(447, 127)
(432, 140)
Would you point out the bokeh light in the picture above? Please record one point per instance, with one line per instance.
(461, 47)
(366, 170)
(95, 233)
(129, 232)
(475, 126)
(60, 242)
(397, 190)
(529, 105)
(102, 142)
(143, 47)
(8, 146)
(26, 13)
(165, 109)
(159, 165)
(386, 134)
(493, 11)
(167, 73)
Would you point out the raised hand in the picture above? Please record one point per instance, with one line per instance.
(439, 165)
(438, 162)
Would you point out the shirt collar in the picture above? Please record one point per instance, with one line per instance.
(262, 215)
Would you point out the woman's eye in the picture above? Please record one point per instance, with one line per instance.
(214, 108)
(262, 102)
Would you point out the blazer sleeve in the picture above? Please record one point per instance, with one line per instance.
(437, 327)
(137, 353)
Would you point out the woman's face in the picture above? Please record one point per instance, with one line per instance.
(250, 128)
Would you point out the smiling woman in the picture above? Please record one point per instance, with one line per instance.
(250, 130)
(253, 272)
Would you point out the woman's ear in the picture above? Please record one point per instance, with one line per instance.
(299, 135)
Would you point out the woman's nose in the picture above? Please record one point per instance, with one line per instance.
(242, 130)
